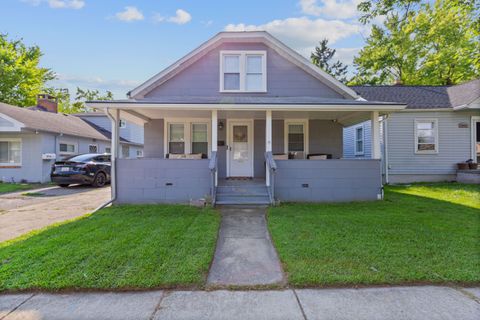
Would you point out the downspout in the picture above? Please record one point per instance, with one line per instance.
(113, 155)
(385, 147)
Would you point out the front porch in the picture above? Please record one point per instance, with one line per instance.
(271, 154)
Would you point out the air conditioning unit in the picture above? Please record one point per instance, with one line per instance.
(49, 156)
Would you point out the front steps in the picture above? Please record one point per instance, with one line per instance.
(242, 192)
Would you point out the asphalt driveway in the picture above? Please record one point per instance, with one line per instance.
(21, 213)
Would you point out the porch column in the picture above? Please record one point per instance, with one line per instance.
(215, 138)
(114, 149)
(268, 142)
(375, 125)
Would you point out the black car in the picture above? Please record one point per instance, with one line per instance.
(91, 168)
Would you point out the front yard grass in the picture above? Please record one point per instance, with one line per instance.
(419, 234)
(122, 247)
(13, 187)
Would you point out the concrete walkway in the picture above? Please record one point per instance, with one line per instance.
(413, 303)
(20, 214)
(245, 255)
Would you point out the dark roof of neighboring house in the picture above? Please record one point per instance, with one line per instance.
(423, 97)
(56, 122)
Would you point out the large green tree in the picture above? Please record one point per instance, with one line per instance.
(21, 77)
(322, 58)
(437, 44)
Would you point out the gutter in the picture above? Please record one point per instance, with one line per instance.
(385, 147)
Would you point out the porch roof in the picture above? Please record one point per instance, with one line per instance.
(346, 112)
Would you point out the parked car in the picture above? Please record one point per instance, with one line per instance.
(91, 168)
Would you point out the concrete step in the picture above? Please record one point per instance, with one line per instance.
(236, 199)
(242, 189)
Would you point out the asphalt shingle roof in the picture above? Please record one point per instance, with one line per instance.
(423, 97)
(54, 122)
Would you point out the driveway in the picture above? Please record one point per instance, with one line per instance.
(20, 213)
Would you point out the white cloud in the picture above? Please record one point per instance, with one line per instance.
(59, 4)
(341, 9)
(303, 34)
(129, 14)
(181, 17)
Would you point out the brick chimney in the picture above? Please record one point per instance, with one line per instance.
(47, 102)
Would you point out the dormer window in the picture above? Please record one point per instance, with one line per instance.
(243, 71)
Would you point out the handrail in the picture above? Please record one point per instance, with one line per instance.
(212, 165)
(271, 167)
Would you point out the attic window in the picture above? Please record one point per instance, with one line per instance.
(243, 71)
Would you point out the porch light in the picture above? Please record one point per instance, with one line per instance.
(220, 125)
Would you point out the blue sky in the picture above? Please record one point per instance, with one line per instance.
(117, 44)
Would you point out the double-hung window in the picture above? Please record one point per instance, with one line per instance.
(200, 138)
(176, 138)
(296, 138)
(243, 71)
(359, 140)
(426, 136)
(10, 152)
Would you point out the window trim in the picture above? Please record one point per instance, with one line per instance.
(359, 153)
(16, 164)
(243, 69)
(306, 140)
(187, 131)
(435, 134)
(67, 153)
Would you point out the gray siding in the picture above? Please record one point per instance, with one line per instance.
(162, 180)
(454, 143)
(31, 168)
(283, 78)
(325, 137)
(328, 180)
(154, 139)
(132, 132)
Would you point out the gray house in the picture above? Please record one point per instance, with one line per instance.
(439, 128)
(32, 138)
(245, 119)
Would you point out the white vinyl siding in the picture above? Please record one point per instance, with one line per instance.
(10, 152)
(243, 71)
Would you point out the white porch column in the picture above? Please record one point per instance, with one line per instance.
(114, 149)
(375, 124)
(215, 137)
(268, 142)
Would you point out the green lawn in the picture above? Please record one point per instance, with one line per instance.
(128, 247)
(13, 187)
(419, 234)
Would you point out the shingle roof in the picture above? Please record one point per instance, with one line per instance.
(423, 97)
(53, 122)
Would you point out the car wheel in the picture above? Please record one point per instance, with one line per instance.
(100, 180)
(64, 185)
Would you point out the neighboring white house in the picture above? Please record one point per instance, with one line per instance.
(31, 139)
(439, 128)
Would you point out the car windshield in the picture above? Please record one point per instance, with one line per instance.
(81, 158)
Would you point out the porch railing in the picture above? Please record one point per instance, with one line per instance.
(212, 165)
(271, 167)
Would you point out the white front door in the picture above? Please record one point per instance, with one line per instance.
(240, 148)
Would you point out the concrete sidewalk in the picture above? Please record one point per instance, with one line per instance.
(414, 303)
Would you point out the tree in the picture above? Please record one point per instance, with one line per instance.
(88, 95)
(321, 58)
(435, 45)
(21, 77)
